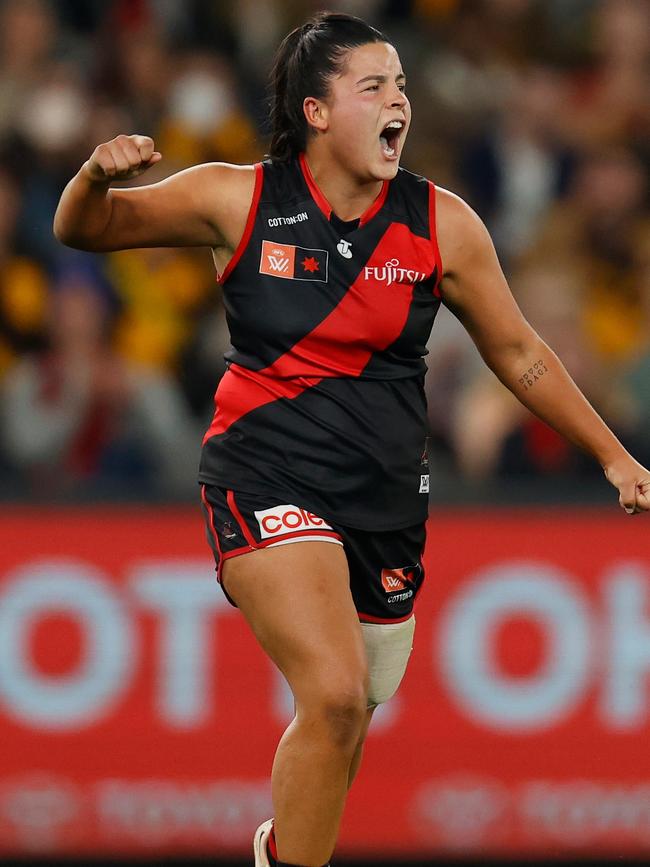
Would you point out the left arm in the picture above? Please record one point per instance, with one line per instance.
(475, 290)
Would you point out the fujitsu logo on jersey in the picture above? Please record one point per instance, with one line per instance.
(392, 273)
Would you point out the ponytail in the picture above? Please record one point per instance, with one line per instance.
(307, 59)
(287, 137)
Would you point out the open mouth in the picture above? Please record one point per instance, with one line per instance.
(390, 136)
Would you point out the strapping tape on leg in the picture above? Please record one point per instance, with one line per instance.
(388, 647)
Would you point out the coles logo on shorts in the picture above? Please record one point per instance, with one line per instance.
(293, 263)
(287, 519)
(393, 579)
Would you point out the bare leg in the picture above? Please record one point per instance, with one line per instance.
(358, 753)
(297, 601)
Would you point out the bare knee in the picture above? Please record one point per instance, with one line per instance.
(339, 711)
(343, 715)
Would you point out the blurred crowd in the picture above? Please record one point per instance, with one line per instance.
(535, 111)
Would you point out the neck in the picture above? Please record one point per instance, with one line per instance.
(348, 196)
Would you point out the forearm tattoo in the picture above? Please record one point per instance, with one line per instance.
(533, 375)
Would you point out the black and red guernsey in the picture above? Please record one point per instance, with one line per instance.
(323, 402)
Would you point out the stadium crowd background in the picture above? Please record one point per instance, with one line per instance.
(536, 111)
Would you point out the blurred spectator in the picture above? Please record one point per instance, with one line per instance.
(603, 226)
(23, 283)
(28, 37)
(610, 100)
(162, 292)
(204, 119)
(52, 128)
(493, 433)
(636, 376)
(138, 74)
(518, 166)
(79, 418)
(464, 75)
(202, 363)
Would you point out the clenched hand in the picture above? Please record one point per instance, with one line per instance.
(633, 483)
(121, 159)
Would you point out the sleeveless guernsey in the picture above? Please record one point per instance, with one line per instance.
(323, 403)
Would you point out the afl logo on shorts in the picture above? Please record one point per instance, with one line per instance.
(287, 519)
(393, 579)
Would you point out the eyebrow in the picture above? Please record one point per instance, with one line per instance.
(381, 78)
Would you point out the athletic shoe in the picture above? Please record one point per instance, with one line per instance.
(259, 844)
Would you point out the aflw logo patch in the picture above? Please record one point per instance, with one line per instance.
(393, 579)
(293, 263)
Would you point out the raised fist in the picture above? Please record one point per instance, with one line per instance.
(125, 157)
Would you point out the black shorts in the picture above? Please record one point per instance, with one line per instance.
(386, 568)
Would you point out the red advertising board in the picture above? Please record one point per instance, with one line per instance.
(138, 716)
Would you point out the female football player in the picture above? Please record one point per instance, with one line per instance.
(314, 481)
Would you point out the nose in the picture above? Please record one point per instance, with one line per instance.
(396, 97)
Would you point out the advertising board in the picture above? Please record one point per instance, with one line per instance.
(138, 716)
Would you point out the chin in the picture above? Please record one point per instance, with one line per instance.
(385, 171)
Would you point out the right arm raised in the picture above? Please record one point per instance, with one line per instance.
(202, 206)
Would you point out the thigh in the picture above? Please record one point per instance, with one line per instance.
(386, 571)
(238, 523)
(297, 600)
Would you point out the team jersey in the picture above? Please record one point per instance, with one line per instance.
(323, 403)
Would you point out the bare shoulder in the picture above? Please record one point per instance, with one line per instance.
(450, 206)
(473, 285)
(222, 182)
(223, 192)
(226, 177)
(461, 232)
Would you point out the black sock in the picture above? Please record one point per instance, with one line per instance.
(271, 849)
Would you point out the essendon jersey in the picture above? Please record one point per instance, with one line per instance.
(323, 402)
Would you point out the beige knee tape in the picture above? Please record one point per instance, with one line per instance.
(388, 647)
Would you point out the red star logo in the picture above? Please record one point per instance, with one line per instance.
(310, 264)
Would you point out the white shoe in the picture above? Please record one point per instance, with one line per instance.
(259, 844)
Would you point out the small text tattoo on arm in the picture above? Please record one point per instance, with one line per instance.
(533, 374)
